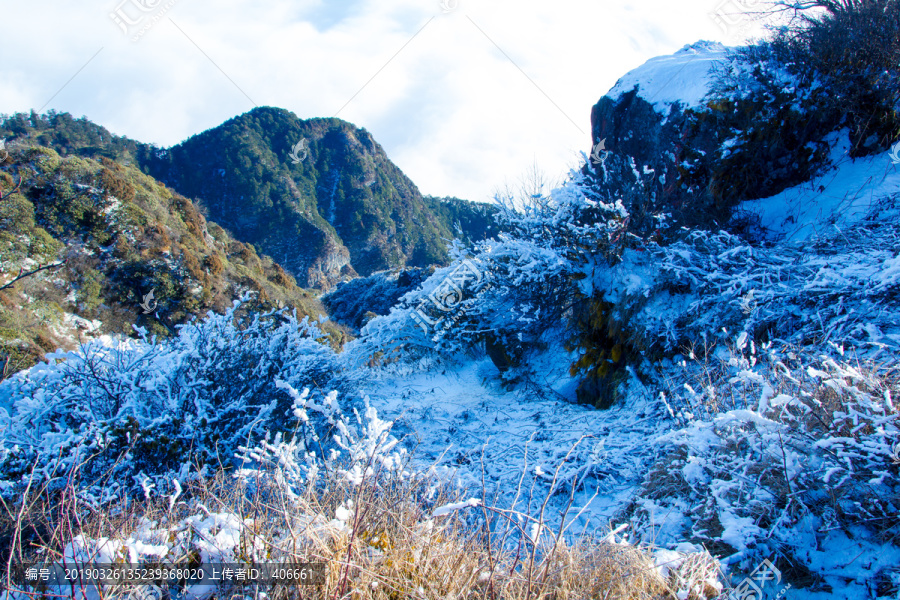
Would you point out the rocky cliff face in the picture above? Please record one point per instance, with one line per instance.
(331, 265)
(685, 139)
(646, 137)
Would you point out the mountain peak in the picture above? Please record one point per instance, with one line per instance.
(319, 195)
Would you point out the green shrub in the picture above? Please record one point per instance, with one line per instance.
(16, 222)
(91, 289)
(19, 236)
(216, 232)
(113, 182)
(16, 214)
(47, 158)
(68, 211)
(76, 169)
(604, 352)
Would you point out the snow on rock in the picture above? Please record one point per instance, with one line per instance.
(683, 77)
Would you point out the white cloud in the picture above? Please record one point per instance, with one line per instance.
(451, 109)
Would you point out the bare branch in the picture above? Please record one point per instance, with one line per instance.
(30, 273)
(834, 7)
(12, 191)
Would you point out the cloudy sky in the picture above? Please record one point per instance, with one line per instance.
(464, 95)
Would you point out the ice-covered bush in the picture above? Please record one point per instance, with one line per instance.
(779, 451)
(510, 291)
(355, 449)
(773, 105)
(138, 409)
(853, 49)
(768, 134)
(840, 288)
(660, 300)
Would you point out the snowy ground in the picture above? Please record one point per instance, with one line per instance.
(465, 421)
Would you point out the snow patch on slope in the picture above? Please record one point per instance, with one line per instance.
(850, 191)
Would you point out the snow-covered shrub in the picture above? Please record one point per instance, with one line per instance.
(768, 134)
(353, 302)
(356, 450)
(509, 291)
(778, 451)
(853, 49)
(841, 288)
(774, 104)
(513, 294)
(135, 409)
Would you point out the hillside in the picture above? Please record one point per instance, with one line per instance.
(343, 209)
(77, 198)
(120, 250)
(673, 377)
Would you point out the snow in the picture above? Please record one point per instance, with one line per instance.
(218, 536)
(683, 77)
(449, 508)
(467, 426)
(848, 192)
(342, 514)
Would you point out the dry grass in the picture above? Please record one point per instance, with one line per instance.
(390, 547)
